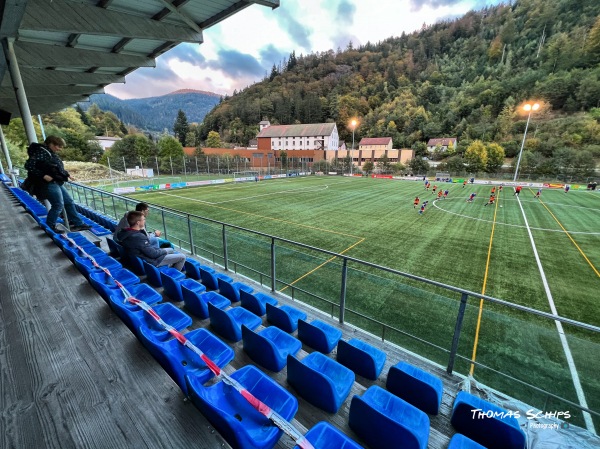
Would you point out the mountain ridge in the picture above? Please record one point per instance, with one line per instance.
(158, 113)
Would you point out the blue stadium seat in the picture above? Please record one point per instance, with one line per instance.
(284, 317)
(319, 335)
(173, 286)
(85, 266)
(106, 286)
(91, 250)
(459, 441)
(134, 264)
(197, 303)
(124, 309)
(209, 277)
(231, 290)
(228, 323)
(179, 361)
(270, 347)
(362, 358)
(134, 317)
(242, 426)
(113, 247)
(415, 386)
(398, 423)
(256, 302)
(77, 238)
(501, 431)
(324, 436)
(192, 269)
(320, 380)
(153, 274)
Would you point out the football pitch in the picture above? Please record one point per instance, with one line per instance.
(540, 253)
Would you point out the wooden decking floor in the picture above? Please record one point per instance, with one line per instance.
(73, 375)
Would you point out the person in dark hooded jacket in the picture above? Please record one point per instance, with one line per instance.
(137, 244)
(47, 174)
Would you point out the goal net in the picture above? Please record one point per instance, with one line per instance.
(246, 175)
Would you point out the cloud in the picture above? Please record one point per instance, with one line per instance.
(298, 32)
(270, 55)
(162, 72)
(416, 5)
(236, 64)
(148, 82)
(346, 11)
(186, 53)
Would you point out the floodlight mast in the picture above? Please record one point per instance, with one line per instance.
(353, 124)
(528, 108)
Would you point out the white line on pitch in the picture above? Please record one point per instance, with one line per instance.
(561, 334)
(184, 197)
(284, 192)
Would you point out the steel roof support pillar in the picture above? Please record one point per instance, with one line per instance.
(13, 178)
(17, 82)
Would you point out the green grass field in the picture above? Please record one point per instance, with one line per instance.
(483, 249)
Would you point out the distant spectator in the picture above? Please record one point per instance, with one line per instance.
(137, 244)
(152, 236)
(46, 174)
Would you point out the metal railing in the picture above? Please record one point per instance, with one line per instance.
(429, 318)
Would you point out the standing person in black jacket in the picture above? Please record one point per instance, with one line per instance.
(137, 244)
(47, 173)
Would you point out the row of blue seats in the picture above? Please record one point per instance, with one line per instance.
(38, 211)
(31, 204)
(190, 374)
(319, 379)
(104, 220)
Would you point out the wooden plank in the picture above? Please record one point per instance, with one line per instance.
(72, 375)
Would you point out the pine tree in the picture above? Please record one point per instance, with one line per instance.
(181, 127)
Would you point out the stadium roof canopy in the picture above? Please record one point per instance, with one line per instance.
(69, 49)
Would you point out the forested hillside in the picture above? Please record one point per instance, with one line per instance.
(157, 113)
(466, 78)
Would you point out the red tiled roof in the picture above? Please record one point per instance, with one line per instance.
(304, 130)
(444, 141)
(375, 141)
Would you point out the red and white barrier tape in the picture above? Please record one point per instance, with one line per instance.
(260, 406)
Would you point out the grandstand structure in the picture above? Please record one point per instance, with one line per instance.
(75, 365)
(99, 349)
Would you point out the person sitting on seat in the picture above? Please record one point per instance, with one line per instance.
(137, 244)
(155, 241)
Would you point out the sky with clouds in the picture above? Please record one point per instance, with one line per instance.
(243, 48)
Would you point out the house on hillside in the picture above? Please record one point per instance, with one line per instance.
(106, 142)
(373, 149)
(443, 143)
(375, 143)
(315, 136)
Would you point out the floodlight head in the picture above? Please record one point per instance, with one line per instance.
(353, 123)
(535, 107)
(527, 107)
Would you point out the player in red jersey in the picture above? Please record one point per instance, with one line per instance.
(416, 202)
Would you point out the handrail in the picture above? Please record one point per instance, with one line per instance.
(462, 291)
